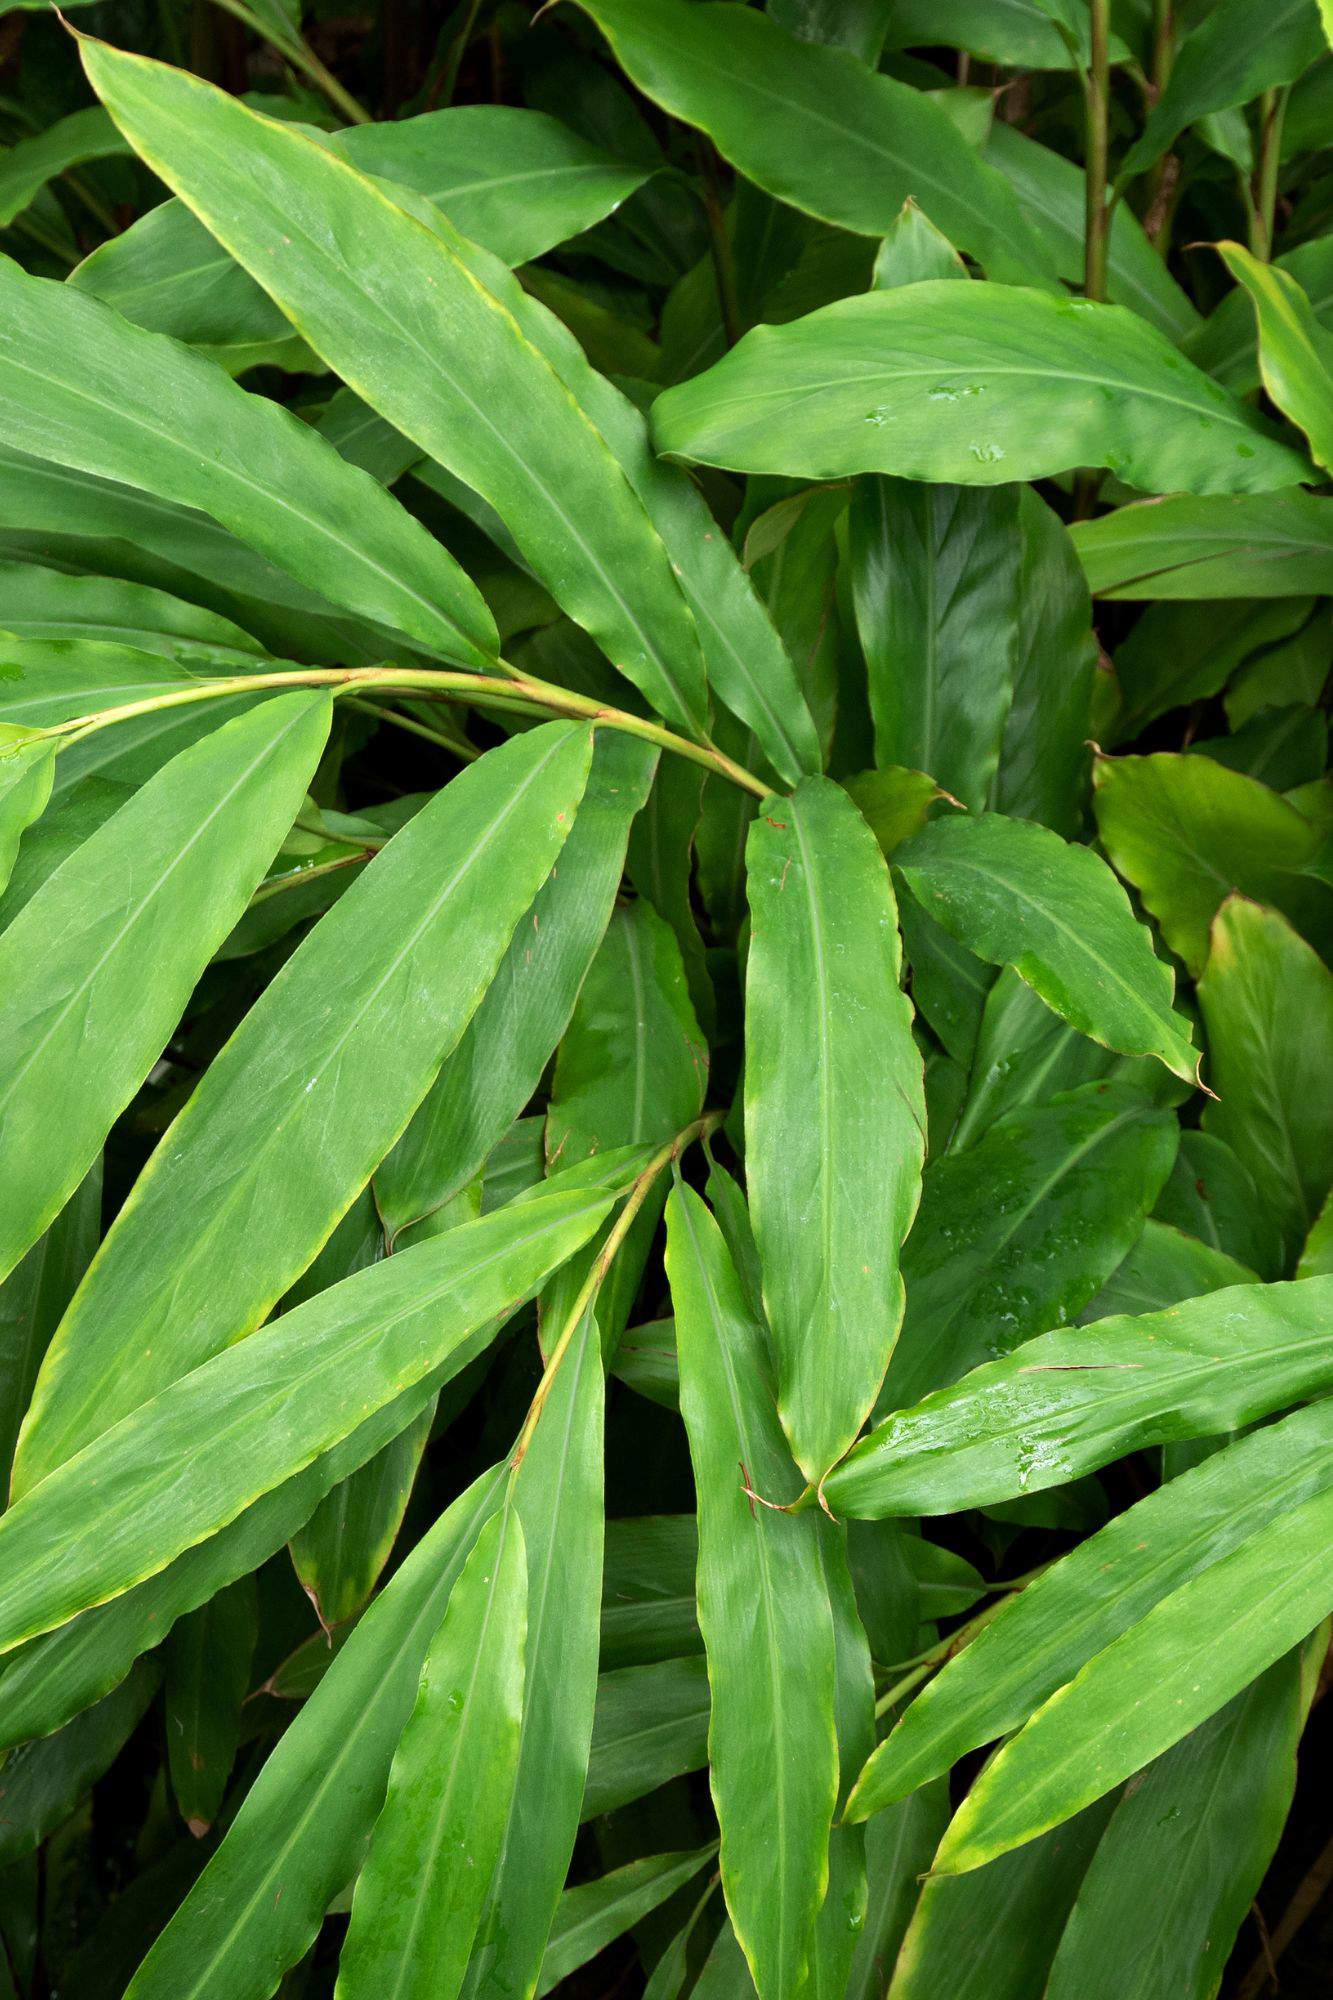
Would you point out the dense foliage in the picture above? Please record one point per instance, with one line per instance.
(666, 1033)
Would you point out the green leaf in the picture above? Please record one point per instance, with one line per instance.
(1221, 64)
(41, 1783)
(559, 1496)
(27, 767)
(33, 1299)
(161, 883)
(1068, 1402)
(43, 603)
(1267, 1003)
(980, 384)
(1236, 1772)
(893, 802)
(747, 83)
(1212, 1195)
(1187, 832)
(516, 181)
(300, 1833)
(1016, 894)
(834, 1112)
(1021, 32)
(1043, 771)
(1164, 1267)
(1317, 1256)
(1295, 352)
(935, 584)
(648, 1589)
(651, 1726)
(993, 1935)
(899, 1846)
(385, 1329)
(764, 1613)
(1050, 190)
(1020, 1230)
(1043, 1634)
(1151, 1686)
(1227, 343)
(80, 385)
(342, 1044)
(1274, 545)
(208, 1659)
(1177, 653)
(343, 1547)
(436, 1842)
(27, 167)
(498, 1063)
(633, 1065)
(412, 315)
(593, 1915)
(913, 249)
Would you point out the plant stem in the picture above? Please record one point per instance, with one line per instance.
(519, 691)
(1165, 172)
(1098, 102)
(602, 1263)
(1263, 210)
(443, 93)
(458, 746)
(301, 56)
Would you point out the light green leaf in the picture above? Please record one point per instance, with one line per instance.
(80, 385)
(1164, 1897)
(516, 181)
(1050, 190)
(27, 167)
(308, 1095)
(300, 1833)
(384, 1330)
(1025, 1056)
(1164, 1267)
(764, 1613)
(594, 1914)
(1317, 1256)
(497, 1065)
(934, 577)
(981, 384)
(1021, 32)
(1068, 1402)
(559, 1495)
(160, 884)
(834, 1111)
(1222, 63)
(914, 249)
(993, 1935)
(747, 83)
(420, 1894)
(1227, 344)
(42, 603)
(1275, 545)
(1151, 1687)
(1186, 831)
(1295, 351)
(1020, 1230)
(413, 316)
(1042, 1635)
(27, 767)
(1016, 894)
(1267, 1003)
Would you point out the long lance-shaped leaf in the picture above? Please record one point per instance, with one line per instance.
(559, 1494)
(592, 1915)
(309, 1094)
(981, 384)
(497, 1065)
(1163, 1899)
(764, 1612)
(834, 1111)
(97, 968)
(45, 603)
(874, 143)
(1295, 351)
(415, 318)
(1221, 64)
(1071, 1401)
(81, 385)
(28, 166)
(1227, 344)
(1043, 1635)
(1271, 545)
(50, 1679)
(192, 1459)
(514, 180)
(420, 1894)
(301, 1830)
(1016, 894)
(34, 1297)
(651, 1725)
(1151, 1687)
(27, 766)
